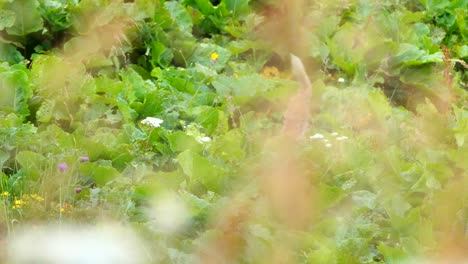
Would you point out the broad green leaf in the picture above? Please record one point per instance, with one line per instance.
(31, 162)
(411, 55)
(134, 134)
(179, 15)
(180, 141)
(463, 51)
(204, 6)
(27, 17)
(45, 113)
(101, 174)
(229, 146)
(462, 16)
(16, 90)
(208, 118)
(365, 199)
(199, 169)
(237, 7)
(203, 55)
(392, 255)
(10, 53)
(7, 18)
(160, 54)
(330, 195)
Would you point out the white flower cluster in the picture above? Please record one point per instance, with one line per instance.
(152, 121)
(335, 136)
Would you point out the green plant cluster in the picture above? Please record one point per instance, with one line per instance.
(80, 82)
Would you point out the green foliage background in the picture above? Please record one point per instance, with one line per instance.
(387, 194)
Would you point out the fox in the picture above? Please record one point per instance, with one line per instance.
(281, 179)
(296, 117)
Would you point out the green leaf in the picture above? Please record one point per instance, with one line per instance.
(160, 54)
(365, 199)
(204, 6)
(101, 174)
(411, 55)
(203, 52)
(462, 16)
(199, 169)
(207, 117)
(229, 146)
(179, 15)
(7, 18)
(10, 53)
(462, 51)
(180, 141)
(46, 111)
(237, 7)
(134, 134)
(392, 255)
(31, 162)
(28, 19)
(16, 90)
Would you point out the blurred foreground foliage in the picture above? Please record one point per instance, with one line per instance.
(387, 162)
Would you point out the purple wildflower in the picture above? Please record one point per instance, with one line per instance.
(84, 159)
(78, 190)
(62, 166)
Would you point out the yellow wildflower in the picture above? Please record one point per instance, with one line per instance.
(236, 75)
(19, 202)
(37, 197)
(270, 72)
(214, 56)
(66, 208)
(5, 193)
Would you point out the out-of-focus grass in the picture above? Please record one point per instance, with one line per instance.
(379, 178)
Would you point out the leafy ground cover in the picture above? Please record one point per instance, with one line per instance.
(155, 114)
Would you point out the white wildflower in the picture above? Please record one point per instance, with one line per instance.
(334, 134)
(204, 139)
(317, 136)
(341, 80)
(152, 121)
(328, 145)
(342, 138)
(325, 140)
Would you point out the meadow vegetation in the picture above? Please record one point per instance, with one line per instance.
(156, 119)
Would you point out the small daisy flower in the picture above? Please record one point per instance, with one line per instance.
(342, 138)
(214, 56)
(317, 136)
(152, 121)
(334, 134)
(62, 166)
(341, 80)
(328, 145)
